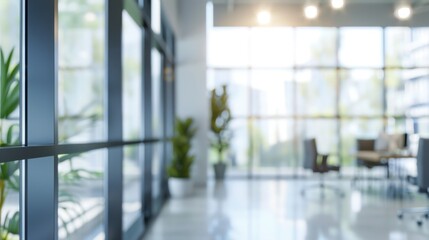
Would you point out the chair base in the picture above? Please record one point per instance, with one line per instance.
(422, 213)
(323, 186)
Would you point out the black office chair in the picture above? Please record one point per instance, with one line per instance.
(318, 163)
(422, 182)
(366, 145)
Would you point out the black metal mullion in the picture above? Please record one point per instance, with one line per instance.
(114, 166)
(39, 179)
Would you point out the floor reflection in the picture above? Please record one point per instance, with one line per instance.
(220, 224)
(271, 210)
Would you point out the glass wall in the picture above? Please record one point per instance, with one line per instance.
(9, 115)
(77, 129)
(287, 84)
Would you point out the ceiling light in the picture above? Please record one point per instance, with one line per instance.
(403, 12)
(264, 17)
(311, 11)
(337, 4)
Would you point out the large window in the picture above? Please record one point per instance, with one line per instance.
(76, 119)
(287, 84)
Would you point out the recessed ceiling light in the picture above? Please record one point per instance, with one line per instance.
(403, 12)
(337, 4)
(264, 17)
(311, 11)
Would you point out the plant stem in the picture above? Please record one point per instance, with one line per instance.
(220, 148)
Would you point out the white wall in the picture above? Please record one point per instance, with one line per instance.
(188, 17)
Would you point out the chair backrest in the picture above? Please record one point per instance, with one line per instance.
(423, 164)
(310, 153)
(364, 145)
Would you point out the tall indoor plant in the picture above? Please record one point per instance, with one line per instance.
(179, 170)
(219, 124)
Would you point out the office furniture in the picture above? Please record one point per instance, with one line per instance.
(318, 163)
(367, 145)
(389, 157)
(422, 181)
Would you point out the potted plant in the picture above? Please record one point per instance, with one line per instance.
(220, 119)
(179, 170)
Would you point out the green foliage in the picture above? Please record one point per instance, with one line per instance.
(11, 225)
(9, 85)
(220, 120)
(9, 171)
(180, 166)
(9, 102)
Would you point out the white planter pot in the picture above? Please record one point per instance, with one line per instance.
(180, 187)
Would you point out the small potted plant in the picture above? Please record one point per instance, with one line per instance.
(220, 119)
(179, 170)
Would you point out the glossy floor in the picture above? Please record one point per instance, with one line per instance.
(271, 210)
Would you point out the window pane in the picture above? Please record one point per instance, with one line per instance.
(132, 186)
(398, 125)
(421, 126)
(10, 189)
(272, 92)
(10, 15)
(157, 72)
(361, 92)
(271, 47)
(228, 47)
(81, 71)
(418, 51)
(132, 78)
(397, 45)
(156, 16)
(395, 92)
(416, 92)
(316, 92)
(361, 47)
(354, 129)
(81, 196)
(316, 46)
(273, 149)
(237, 82)
(157, 176)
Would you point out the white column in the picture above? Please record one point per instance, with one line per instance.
(191, 93)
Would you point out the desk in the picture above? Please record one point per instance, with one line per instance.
(376, 156)
(395, 191)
